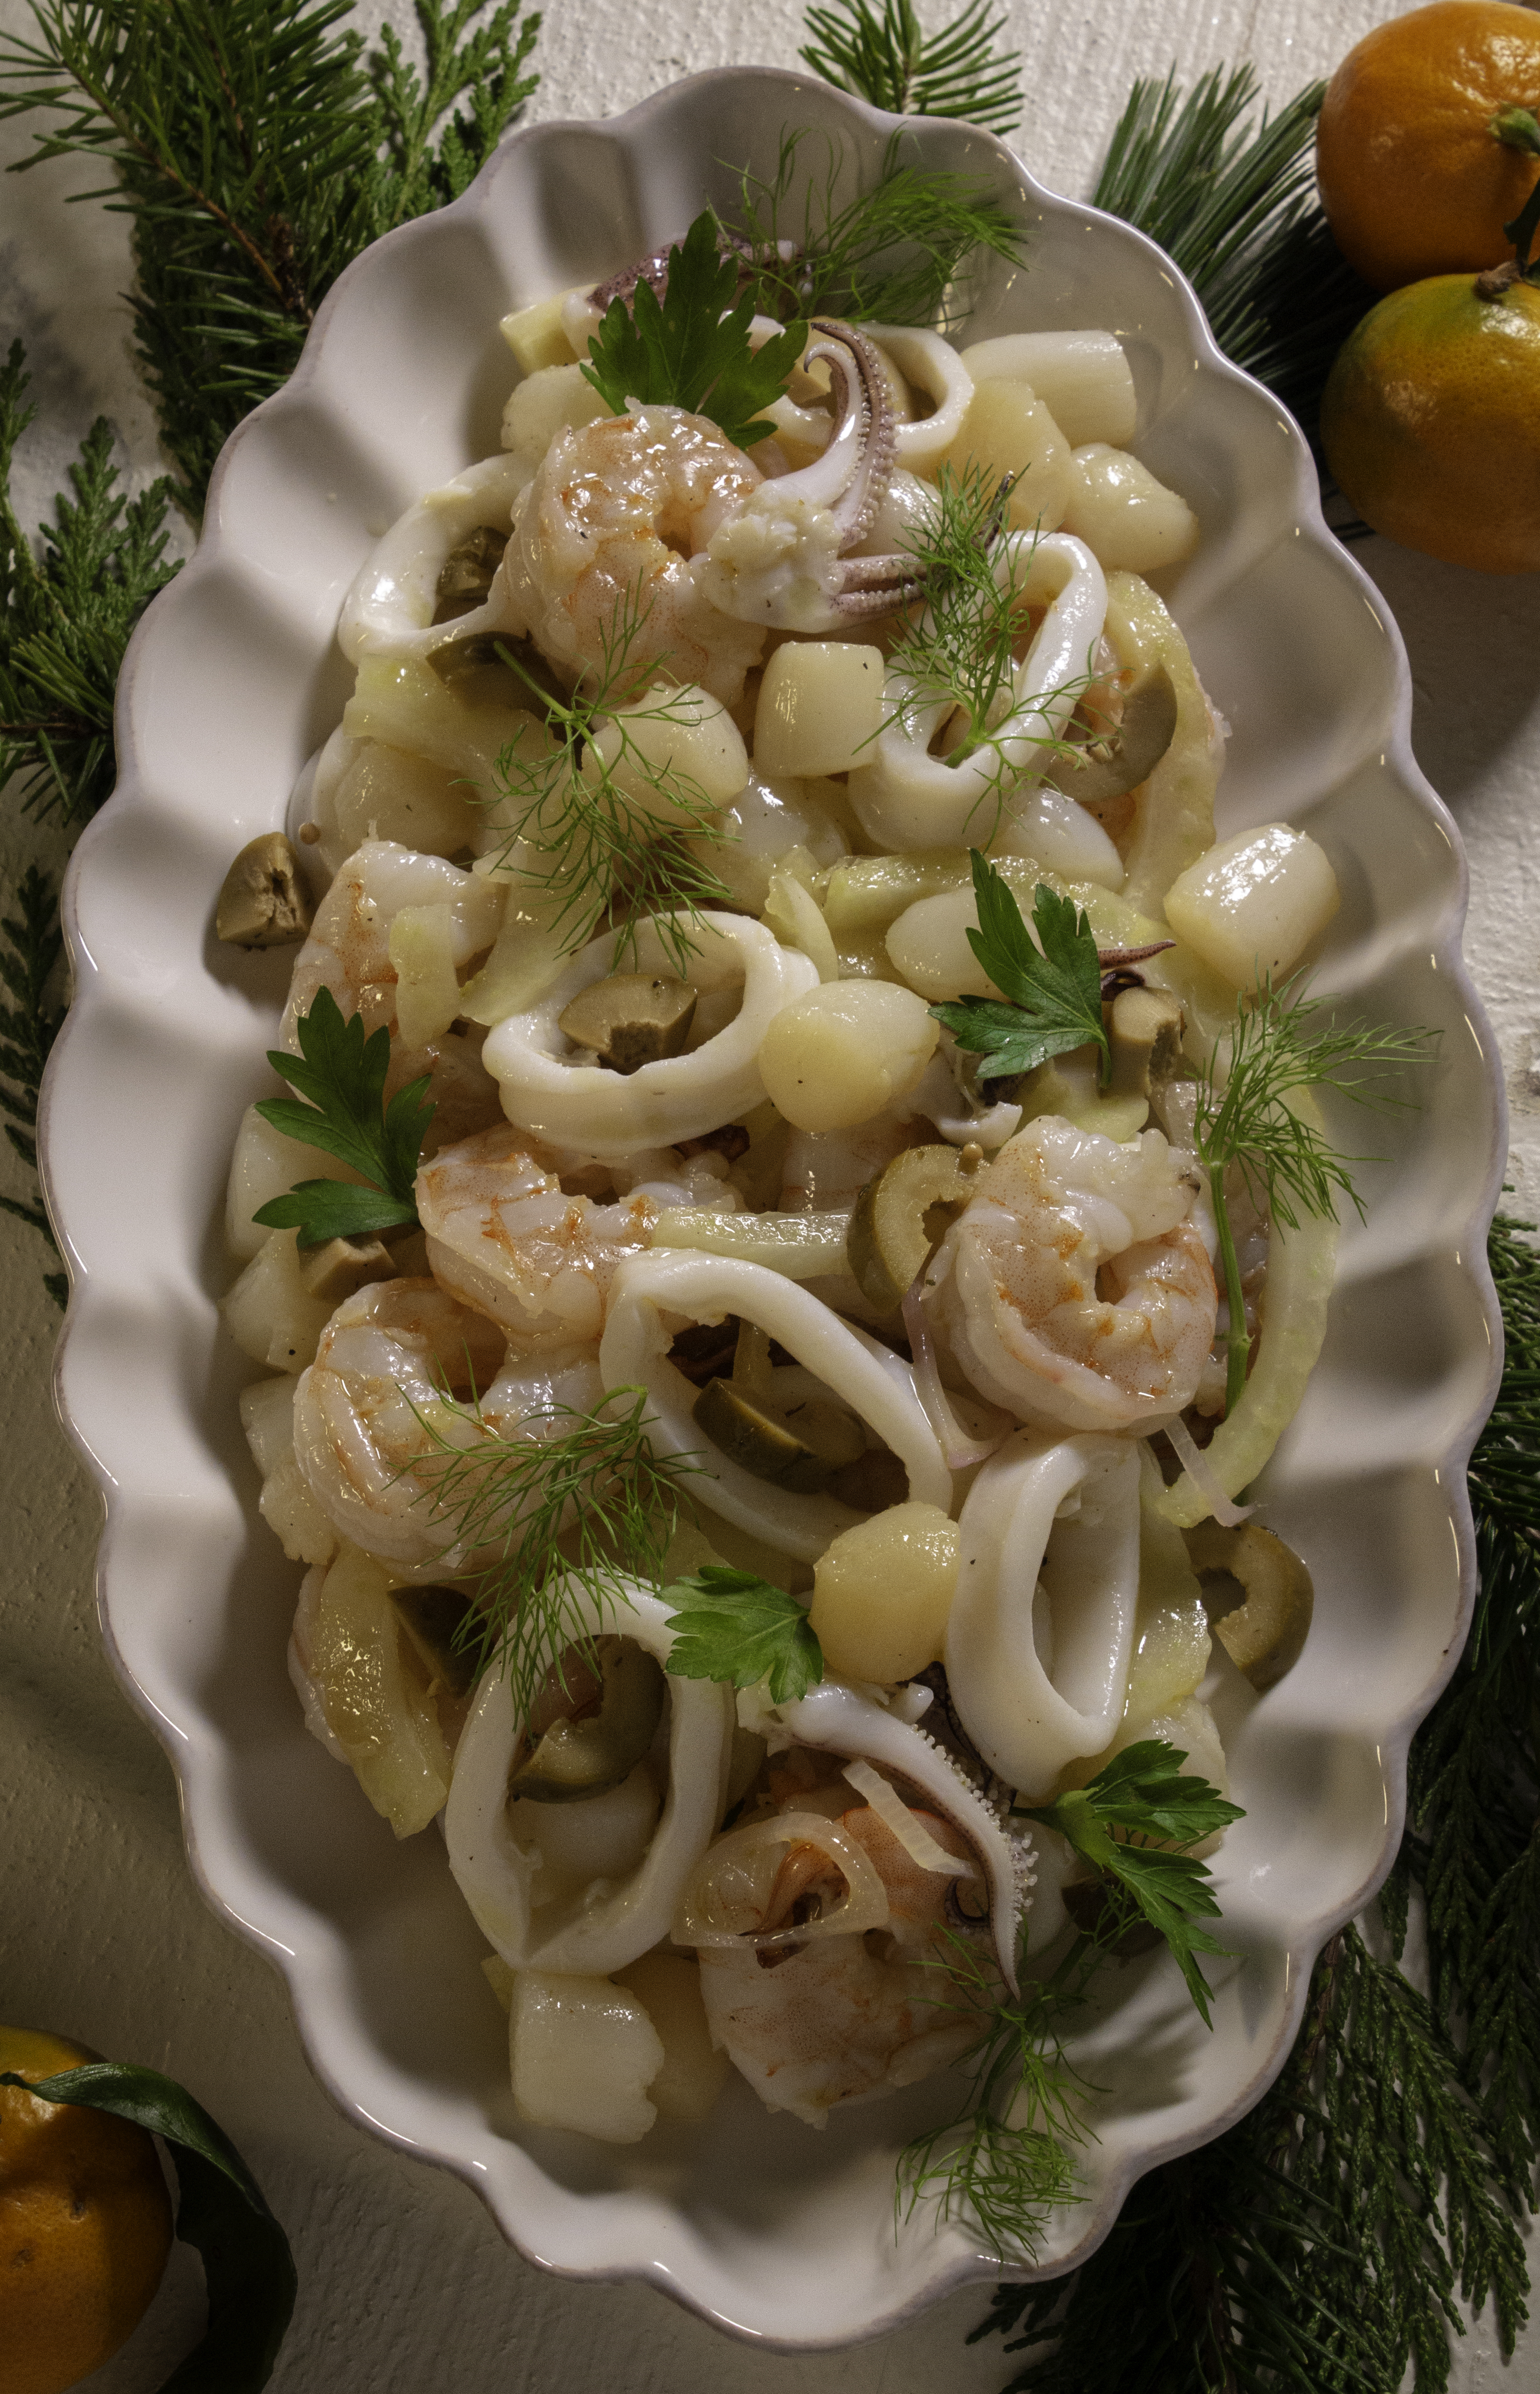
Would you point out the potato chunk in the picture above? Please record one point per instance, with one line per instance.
(583, 2054)
(1251, 906)
(836, 1056)
(1008, 431)
(1122, 514)
(693, 2074)
(883, 1591)
(820, 704)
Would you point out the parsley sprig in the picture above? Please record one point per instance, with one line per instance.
(1145, 1797)
(734, 1628)
(342, 1074)
(691, 349)
(1052, 988)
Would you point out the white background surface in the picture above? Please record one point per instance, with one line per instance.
(403, 2280)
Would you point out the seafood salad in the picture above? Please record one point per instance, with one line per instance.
(769, 1291)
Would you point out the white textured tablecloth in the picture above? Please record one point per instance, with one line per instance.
(404, 2281)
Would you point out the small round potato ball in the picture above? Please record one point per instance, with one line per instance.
(837, 1055)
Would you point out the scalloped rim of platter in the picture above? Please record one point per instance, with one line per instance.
(230, 683)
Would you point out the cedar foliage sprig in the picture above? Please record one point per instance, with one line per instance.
(65, 617)
(884, 56)
(256, 151)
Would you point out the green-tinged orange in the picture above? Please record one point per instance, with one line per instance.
(1412, 180)
(1431, 420)
(85, 2225)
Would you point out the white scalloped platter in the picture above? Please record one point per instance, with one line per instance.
(781, 2234)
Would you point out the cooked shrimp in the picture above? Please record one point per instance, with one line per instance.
(348, 953)
(1078, 1288)
(402, 1371)
(608, 527)
(503, 1239)
(843, 2018)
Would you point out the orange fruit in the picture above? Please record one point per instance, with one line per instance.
(1431, 420)
(85, 2225)
(1412, 180)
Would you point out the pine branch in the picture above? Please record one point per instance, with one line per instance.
(256, 151)
(29, 1026)
(1234, 203)
(885, 56)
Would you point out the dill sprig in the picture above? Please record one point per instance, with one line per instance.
(596, 820)
(1234, 203)
(960, 648)
(573, 1505)
(908, 251)
(256, 151)
(1280, 1045)
(886, 57)
(1004, 2166)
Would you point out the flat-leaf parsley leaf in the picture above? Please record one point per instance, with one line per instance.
(1144, 1794)
(343, 1074)
(735, 1627)
(1052, 989)
(692, 349)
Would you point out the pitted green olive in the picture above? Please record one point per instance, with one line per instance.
(898, 1217)
(431, 1616)
(1263, 1634)
(631, 1020)
(575, 1758)
(262, 903)
(1146, 1035)
(800, 1452)
(466, 575)
(1106, 767)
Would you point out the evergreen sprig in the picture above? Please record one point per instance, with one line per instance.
(256, 151)
(884, 56)
(65, 617)
(1232, 204)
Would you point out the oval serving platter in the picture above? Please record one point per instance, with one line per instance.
(232, 682)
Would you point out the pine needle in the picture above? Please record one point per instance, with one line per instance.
(1234, 203)
(883, 54)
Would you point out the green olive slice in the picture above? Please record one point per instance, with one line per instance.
(1106, 767)
(898, 1217)
(467, 574)
(800, 1452)
(1264, 1633)
(1145, 1030)
(575, 1758)
(631, 1019)
(261, 901)
(432, 1617)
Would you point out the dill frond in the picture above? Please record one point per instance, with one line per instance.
(574, 1504)
(960, 648)
(909, 251)
(884, 56)
(599, 822)
(1281, 1043)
